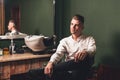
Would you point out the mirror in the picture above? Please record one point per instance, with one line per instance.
(33, 17)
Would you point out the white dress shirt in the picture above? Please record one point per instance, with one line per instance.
(70, 47)
(13, 32)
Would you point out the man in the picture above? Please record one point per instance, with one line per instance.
(12, 28)
(78, 50)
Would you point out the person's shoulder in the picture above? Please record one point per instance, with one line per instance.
(66, 38)
(7, 34)
(87, 37)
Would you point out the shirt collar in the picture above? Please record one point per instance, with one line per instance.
(14, 31)
(79, 38)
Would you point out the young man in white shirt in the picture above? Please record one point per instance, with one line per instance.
(78, 50)
(12, 28)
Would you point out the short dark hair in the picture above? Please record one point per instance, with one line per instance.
(13, 21)
(79, 17)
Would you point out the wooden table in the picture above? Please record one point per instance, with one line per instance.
(21, 63)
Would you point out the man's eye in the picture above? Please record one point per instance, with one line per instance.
(77, 24)
(71, 23)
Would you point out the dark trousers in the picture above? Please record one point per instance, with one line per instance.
(69, 70)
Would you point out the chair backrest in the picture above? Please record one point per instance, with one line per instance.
(106, 72)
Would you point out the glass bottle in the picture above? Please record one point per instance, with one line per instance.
(1, 52)
(12, 47)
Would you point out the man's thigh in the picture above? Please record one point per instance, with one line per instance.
(68, 66)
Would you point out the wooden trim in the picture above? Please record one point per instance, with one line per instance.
(1, 17)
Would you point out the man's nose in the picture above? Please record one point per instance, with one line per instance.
(74, 26)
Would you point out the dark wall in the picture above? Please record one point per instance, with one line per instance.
(101, 21)
(36, 16)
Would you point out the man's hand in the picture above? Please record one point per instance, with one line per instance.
(48, 69)
(80, 56)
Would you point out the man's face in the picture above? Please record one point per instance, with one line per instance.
(10, 25)
(76, 27)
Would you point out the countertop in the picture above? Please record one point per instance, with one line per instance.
(14, 57)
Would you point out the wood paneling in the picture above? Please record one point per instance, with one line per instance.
(20, 63)
(1, 17)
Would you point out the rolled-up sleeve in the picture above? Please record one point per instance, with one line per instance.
(91, 46)
(56, 57)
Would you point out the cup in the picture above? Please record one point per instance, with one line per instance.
(5, 51)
